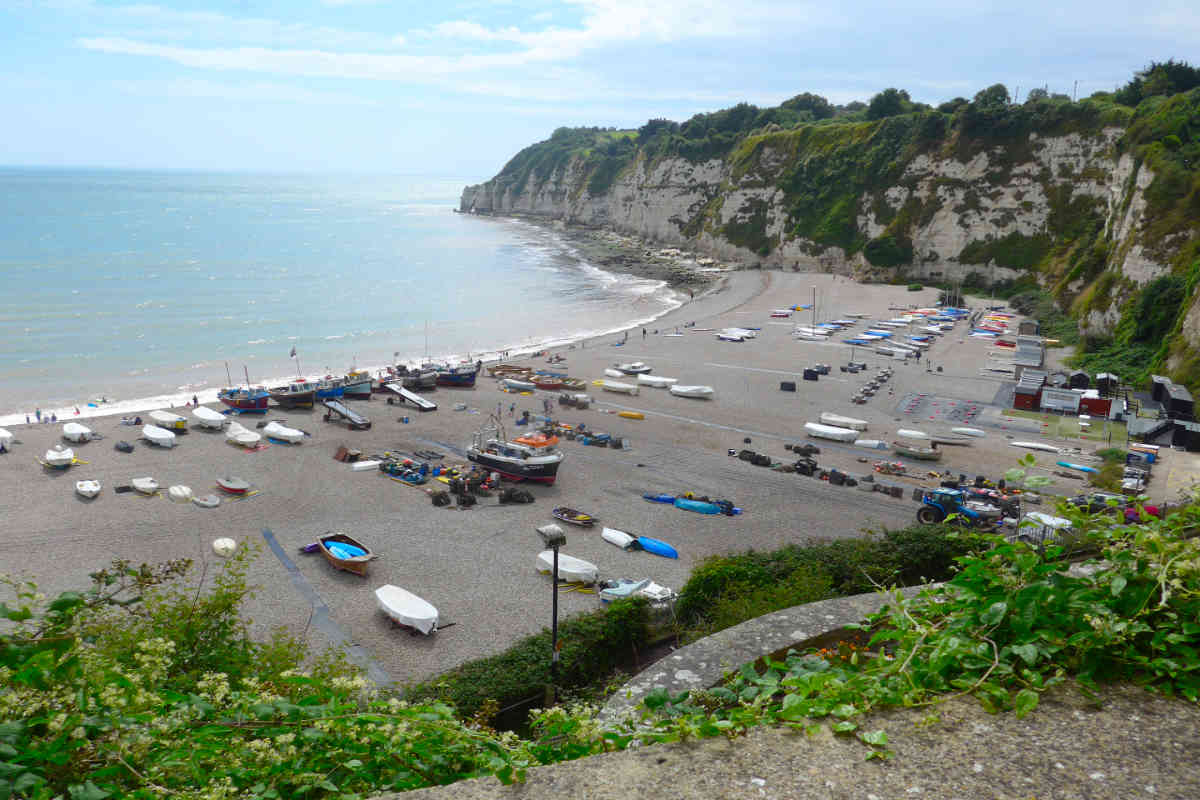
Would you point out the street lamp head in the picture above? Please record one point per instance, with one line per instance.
(552, 535)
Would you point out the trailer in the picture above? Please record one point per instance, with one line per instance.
(422, 403)
(352, 418)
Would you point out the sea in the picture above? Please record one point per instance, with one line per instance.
(132, 290)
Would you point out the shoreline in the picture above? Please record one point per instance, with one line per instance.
(601, 249)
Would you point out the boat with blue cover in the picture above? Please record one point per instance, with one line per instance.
(699, 506)
(344, 552)
(656, 546)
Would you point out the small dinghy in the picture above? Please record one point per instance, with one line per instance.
(978, 434)
(406, 609)
(1045, 448)
(908, 433)
(633, 368)
(207, 418)
(620, 538)
(74, 432)
(700, 392)
(656, 546)
(617, 386)
(345, 553)
(169, 420)
(1079, 467)
(627, 587)
(275, 430)
(613, 373)
(699, 506)
(843, 422)
(871, 444)
(517, 385)
(232, 485)
(145, 485)
(570, 569)
(158, 436)
(208, 501)
(88, 489)
(239, 434)
(831, 432)
(660, 497)
(657, 381)
(574, 517)
(59, 457)
(179, 493)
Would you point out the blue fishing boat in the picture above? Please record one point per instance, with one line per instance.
(245, 399)
(461, 375)
(330, 388)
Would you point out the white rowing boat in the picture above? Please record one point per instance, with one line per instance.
(145, 485)
(158, 436)
(831, 432)
(1045, 448)
(657, 381)
(616, 386)
(74, 432)
(839, 421)
(238, 434)
(169, 420)
(702, 392)
(180, 493)
(282, 432)
(59, 457)
(88, 489)
(207, 418)
(570, 569)
(405, 608)
(969, 432)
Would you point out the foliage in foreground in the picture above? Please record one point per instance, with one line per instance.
(81, 719)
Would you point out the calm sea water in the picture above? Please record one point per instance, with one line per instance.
(139, 286)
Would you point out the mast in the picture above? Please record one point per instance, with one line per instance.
(228, 378)
(247, 374)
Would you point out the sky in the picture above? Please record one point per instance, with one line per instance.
(457, 87)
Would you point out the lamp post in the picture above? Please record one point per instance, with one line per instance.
(553, 538)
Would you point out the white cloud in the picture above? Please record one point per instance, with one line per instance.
(254, 92)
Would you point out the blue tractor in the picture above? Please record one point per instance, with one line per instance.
(938, 504)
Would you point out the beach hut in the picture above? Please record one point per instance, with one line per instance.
(1186, 435)
(1079, 380)
(1179, 403)
(1158, 388)
(1028, 327)
(1090, 402)
(1107, 383)
(1028, 394)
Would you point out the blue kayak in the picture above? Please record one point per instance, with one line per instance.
(657, 547)
(699, 506)
(1079, 467)
(660, 498)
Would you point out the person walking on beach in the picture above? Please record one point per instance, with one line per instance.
(643, 334)
(512, 409)
(38, 412)
(195, 401)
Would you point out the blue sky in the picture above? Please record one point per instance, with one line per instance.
(456, 88)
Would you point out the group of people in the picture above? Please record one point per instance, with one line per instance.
(52, 417)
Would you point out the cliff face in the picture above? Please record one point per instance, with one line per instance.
(1076, 200)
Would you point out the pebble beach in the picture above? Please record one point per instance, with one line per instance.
(477, 565)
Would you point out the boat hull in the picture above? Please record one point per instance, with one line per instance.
(537, 470)
(294, 399)
(356, 565)
(245, 402)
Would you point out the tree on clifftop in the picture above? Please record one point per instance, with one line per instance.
(993, 98)
(888, 103)
(816, 105)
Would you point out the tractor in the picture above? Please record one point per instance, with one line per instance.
(938, 504)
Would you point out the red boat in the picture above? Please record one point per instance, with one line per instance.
(245, 399)
(231, 485)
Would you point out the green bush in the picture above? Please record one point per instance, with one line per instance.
(915, 287)
(591, 647)
(819, 570)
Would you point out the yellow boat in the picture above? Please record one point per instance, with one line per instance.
(631, 414)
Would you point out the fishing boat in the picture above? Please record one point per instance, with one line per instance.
(633, 368)
(574, 517)
(158, 436)
(232, 485)
(74, 432)
(491, 449)
(833, 432)
(329, 388)
(701, 392)
(509, 371)
(839, 421)
(570, 568)
(245, 399)
(657, 381)
(357, 384)
(239, 434)
(88, 489)
(917, 452)
(276, 430)
(145, 485)
(346, 553)
(616, 386)
(406, 609)
(299, 393)
(460, 375)
(413, 377)
(207, 418)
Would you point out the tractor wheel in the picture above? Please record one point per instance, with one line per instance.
(928, 515)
